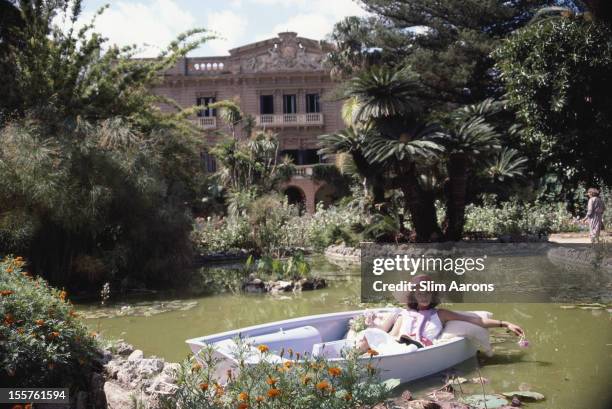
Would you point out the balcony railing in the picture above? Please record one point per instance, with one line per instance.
(303, 171)
(206, 122)
(272, 120)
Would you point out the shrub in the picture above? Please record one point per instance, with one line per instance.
(215, 234)
(298, 382)
(516, 218)
(42, 342)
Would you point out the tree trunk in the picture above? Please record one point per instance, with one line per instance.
(420, 204)
(455, 197)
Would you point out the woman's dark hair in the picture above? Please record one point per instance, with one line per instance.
(413, 304)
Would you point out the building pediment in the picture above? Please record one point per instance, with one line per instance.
(288, 52)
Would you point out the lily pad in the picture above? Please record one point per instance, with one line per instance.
(391, 383)
(525, 395)
(485, 401)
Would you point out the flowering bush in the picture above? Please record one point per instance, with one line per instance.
(514, 218)
(213, 235)
(42, 342)
(326, 226)
(282, 231)
(298, 382)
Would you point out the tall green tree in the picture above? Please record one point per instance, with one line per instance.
(96, 181)
(557, 73)
(447, 43)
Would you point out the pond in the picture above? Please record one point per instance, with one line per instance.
(569, 359)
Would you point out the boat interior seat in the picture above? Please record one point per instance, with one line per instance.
(332, 349)
(300, 339)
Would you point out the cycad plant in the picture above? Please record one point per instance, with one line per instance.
(388, 141)
(468, 138)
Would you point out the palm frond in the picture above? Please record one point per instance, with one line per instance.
(506, 164)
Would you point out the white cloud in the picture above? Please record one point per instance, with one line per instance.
(314, 26)
(154, 24)
(228, 25)
(316, 18)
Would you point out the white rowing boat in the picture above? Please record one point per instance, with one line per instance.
(326, 331)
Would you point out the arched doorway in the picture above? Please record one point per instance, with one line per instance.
(296, 196)
(326, 194)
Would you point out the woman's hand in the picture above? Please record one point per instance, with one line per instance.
(518, 331)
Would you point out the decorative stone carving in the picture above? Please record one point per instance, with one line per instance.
(287, 54)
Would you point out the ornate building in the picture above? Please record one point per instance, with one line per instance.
(283, 84)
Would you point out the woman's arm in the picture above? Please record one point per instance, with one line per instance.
(447, 315)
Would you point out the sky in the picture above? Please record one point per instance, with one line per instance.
(154, 23)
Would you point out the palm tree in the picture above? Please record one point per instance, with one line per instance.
(468, 137)
(387, 140)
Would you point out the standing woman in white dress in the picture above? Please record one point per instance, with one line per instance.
(594, 216)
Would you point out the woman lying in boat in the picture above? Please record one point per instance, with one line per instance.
(418, 325)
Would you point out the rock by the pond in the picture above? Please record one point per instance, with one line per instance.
(123, 348)
(136, 355)
(137, 378)
(254, 285)
(279, 286)
(307, 284)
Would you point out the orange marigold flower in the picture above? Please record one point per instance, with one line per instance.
(348, 397)
(204, 386)
(243, 396)
(334, 371)
(40, 323)
(218, 389)
(6, 292)
(322, 385)
(271, 380)
(196, 367)
(372, 352)
(306, 379)
(9, 269)
(73, 313)
(273, 393)
(243, 405)
(260, 399)
(288, 364)
(54, 335)
(263, 348)
(8, 319)
(62, 295)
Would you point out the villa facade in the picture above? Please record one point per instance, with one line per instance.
(283, 84)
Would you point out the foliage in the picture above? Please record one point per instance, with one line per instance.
(97, 181)
(298, 381)
(295, 267)
(268, 216)
(517, 218)
(447, 44)
(216, 234)
(556, 72)
(42, 341)
(252, 163)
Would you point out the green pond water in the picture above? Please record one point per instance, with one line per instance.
(569, 359)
